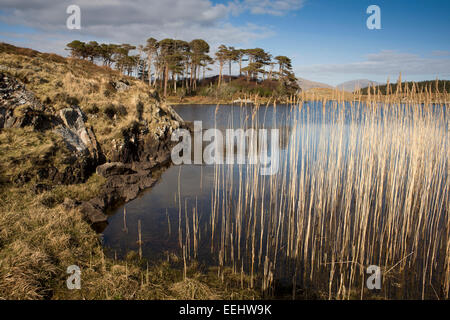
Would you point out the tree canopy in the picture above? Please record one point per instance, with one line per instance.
(171, 63)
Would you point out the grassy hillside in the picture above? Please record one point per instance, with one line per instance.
(111, 100)
(305, 84)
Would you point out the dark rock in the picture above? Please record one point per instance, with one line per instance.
(21, 178)
(130, 192)
(113, 169)
(98, 202)
(131, 179)
(77, 136)
(19, 107)
(146, 182)
(114, 182)
(144, 165)
(49, 201)
(92, 213)
(73, 118)
(108, 198)
(40, 187)
(70, 204)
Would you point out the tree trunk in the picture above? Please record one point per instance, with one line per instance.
(185, 76)
(175, 78)
(166, 79)
(240, 67)
(149, 61)
(191, 80)
(220, 73)
(194, 82)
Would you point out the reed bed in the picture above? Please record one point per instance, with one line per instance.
(360, 183)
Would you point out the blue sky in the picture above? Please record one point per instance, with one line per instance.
(327, 40)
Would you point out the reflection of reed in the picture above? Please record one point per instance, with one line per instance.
(359, 185)
(139, 242)
(168, 223)
(125, 229)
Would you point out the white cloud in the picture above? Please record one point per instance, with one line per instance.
(123, 21)
(385, 63)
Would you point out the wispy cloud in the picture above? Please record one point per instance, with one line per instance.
(385, 63)
(128, 21)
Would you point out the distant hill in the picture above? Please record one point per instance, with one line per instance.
(353, 85)
(349, 86)
(326, 93)
(305, 84)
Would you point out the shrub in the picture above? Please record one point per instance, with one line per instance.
(47, 100)
(72, 101)
(121, 110)
(107, 93)
(139, 109)
(93, 109)
(110, 111)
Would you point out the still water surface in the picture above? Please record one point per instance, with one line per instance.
(213, 195)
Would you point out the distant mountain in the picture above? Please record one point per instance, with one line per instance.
(349, 86)
(353, 85)
(305, 84)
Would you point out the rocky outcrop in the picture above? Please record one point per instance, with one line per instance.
(143, 147)
(121, 85)
(113, 169)
(20, 108)
(77, 136)
(122, 185)
(148, 141)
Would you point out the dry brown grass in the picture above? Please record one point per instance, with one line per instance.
(23, 150)
(38, 243)
(39, 237)
(62, 82)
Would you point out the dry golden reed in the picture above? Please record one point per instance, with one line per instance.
(362, 183)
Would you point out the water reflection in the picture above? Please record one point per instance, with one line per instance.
(351, 192)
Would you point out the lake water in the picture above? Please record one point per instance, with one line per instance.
(342, 188)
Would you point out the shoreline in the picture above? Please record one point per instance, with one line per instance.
(392, 99)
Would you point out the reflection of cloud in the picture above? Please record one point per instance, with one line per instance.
(384, 63)
(129, 21)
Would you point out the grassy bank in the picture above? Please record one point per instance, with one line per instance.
(40, 238)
